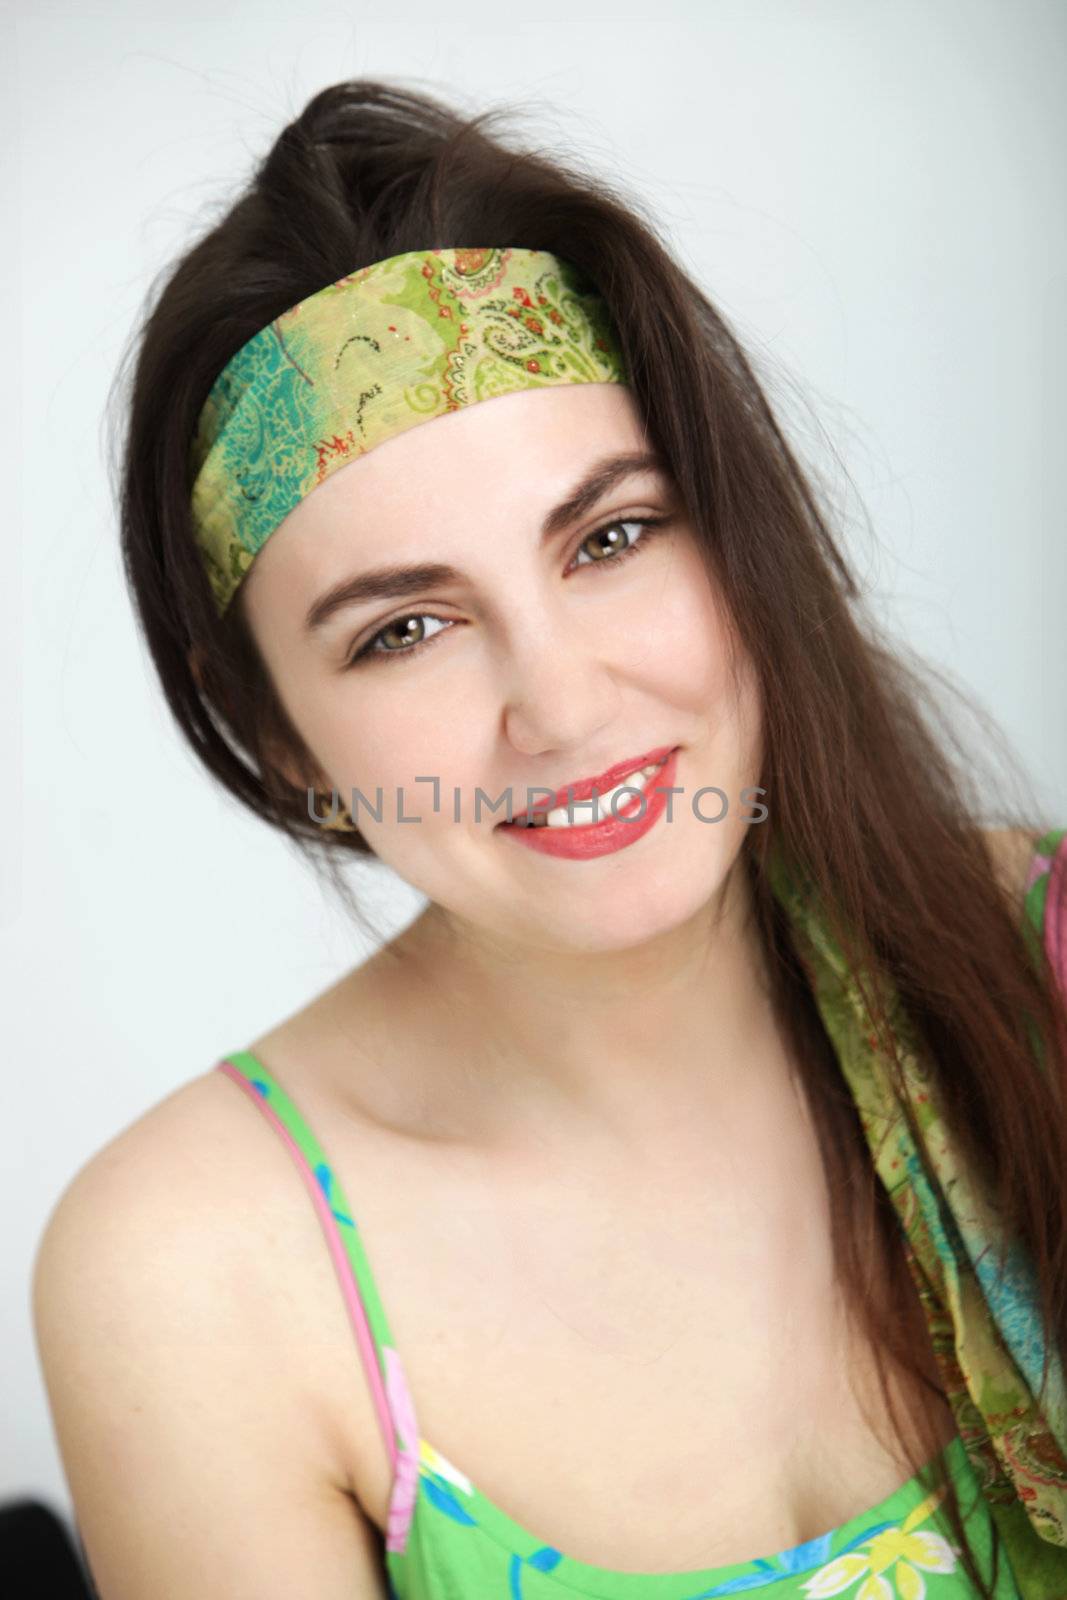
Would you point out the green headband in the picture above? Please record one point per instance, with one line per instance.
(381, 350)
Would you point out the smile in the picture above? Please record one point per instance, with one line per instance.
(599, 806)
(550, 831)
(580, 790)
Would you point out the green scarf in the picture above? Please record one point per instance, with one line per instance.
(984, 1324)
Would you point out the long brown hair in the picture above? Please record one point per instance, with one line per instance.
(870, 784)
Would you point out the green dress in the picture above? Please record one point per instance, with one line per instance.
(448, 1541)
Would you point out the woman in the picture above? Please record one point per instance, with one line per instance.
(692, 1168)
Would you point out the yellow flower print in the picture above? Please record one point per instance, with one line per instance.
(909, 1553)
(436, 1462)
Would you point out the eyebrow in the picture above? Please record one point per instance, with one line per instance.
(399, 582)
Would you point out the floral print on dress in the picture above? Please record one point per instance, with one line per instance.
(890, 1566)
(899, 1555)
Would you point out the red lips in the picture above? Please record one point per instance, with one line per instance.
(582, 788)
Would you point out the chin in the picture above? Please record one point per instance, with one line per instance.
(625, 911)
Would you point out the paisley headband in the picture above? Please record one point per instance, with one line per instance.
(379, 351)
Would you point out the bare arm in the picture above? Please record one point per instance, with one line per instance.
(194, 1470)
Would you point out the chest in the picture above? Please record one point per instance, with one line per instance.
(645, 1363)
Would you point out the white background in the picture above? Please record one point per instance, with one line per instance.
(873, 194)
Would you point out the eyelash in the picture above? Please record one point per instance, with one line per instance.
(651, 525)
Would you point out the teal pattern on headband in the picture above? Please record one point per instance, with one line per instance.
(379, 351)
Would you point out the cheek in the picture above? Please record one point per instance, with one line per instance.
(394, 750)
(390, 741)
(680, 634)
(688, 633)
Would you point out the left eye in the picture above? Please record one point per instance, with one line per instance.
(614, 552)
(610, 556)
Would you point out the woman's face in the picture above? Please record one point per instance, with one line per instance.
(550, 656)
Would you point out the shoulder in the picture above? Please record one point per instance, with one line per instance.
(168, 1194)
(194, 1458)
(182, 1317)
(1011, 852)
(162, 1256)
(183, 1166)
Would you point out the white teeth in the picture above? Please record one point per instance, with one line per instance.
(589, 811)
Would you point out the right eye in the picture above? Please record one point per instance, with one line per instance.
(403, 625)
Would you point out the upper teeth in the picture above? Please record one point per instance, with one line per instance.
(600, 806)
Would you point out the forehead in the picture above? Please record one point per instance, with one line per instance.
(503, 460)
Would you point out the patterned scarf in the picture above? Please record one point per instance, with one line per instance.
(984, 1321)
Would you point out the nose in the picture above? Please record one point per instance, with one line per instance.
(560, 690)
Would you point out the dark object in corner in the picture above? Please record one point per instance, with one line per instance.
(38, 1558)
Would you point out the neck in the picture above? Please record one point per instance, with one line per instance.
(631, 1043)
